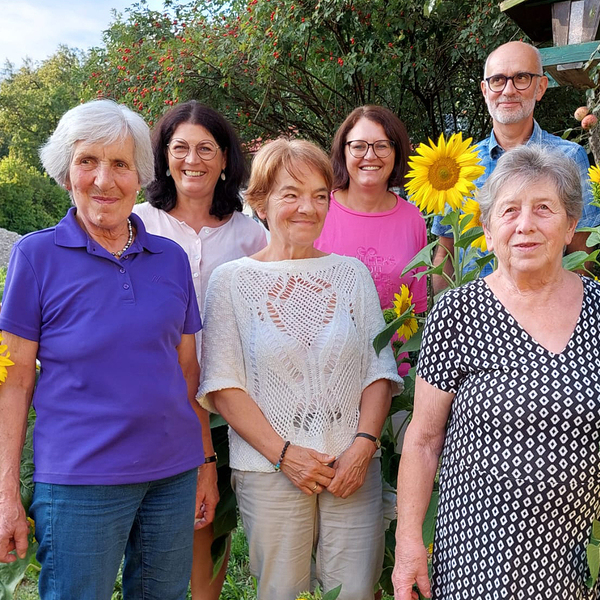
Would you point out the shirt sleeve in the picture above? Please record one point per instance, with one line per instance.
(382, 366)
(222, 357)
(21, 312)
(440, 230)
(590, 217)
(418, 287)
(193, 322)
(439, 358)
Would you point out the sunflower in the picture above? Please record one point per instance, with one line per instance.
(403, 301)
(4, 361)
(471, 207)
(442, 174)
(594, 174)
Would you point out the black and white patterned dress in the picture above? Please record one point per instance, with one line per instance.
(520, 477)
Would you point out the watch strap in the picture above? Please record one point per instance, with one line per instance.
(368, 436)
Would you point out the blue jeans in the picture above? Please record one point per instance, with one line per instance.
(84, 531)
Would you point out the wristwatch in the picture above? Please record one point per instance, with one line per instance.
(374, 439)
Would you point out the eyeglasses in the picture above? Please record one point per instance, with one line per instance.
(179, 149)
(520, 81)
(381, 148)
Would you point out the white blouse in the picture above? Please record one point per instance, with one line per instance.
(297, 337)
(211, 246)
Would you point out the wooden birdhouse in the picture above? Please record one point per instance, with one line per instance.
(571, 26)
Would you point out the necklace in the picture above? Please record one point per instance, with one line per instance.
(119, 253)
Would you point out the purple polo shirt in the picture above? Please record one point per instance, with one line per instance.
(111, 400)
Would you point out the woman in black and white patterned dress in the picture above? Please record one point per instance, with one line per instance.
(508, 390)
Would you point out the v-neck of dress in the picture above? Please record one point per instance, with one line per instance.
(518, 325)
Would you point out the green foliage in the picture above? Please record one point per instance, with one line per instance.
(29, 200)
(2, 281)
(593, 554)
(12, 574)
(276, 66)
(32, 100)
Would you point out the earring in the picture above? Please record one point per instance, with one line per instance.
(223, 176)
(168, 172)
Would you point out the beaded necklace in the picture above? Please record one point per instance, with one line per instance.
(119, 253)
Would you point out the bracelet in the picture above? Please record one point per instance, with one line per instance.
(285, 447)
(211, 459)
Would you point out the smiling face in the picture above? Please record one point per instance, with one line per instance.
(194, 177)
(529, 228)
(103, 182)
(296, 207)
(511, 105)
(370, 170)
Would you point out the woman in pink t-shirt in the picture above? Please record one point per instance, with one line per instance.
(366, 219)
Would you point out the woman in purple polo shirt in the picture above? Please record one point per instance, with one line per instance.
(110, 312)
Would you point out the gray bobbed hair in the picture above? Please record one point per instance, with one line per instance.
(98, 121)
(528, 165)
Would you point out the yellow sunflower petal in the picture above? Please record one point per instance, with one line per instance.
(442, 173)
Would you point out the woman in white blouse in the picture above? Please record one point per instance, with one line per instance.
(288, 361)
(195, 201)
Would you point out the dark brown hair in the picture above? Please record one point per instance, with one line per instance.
(394, 129)
(161, 193)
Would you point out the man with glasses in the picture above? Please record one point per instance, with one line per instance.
(513, 82)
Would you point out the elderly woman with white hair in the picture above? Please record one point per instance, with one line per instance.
(110, 312)
(508, 392)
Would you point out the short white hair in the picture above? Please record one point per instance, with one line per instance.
(97, 121)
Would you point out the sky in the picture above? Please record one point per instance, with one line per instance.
(35, 28)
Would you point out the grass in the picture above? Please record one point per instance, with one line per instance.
(239, 583)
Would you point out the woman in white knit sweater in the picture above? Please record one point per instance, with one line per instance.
(288, 361)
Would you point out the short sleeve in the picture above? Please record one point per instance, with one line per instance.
(440, 230)
(193, 322)
(382, 366)
(222, 357)
(418, 287)
(590, 216)
(21, 306)
(439, 358)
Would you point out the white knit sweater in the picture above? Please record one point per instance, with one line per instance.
(297, 337)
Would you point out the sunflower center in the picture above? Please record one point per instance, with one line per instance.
(444, 173)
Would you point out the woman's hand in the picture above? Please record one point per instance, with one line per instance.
(351, 468)
(308, 469)
(207, 495)
(410, 568)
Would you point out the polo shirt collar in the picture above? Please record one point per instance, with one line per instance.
(68, 233)
(495, 150)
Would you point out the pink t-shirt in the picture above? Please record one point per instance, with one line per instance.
(385, 242)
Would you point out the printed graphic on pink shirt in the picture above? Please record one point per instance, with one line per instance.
(381, 269)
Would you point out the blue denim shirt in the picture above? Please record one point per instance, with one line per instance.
(490, 151)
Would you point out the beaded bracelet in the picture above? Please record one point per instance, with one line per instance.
(285, 447)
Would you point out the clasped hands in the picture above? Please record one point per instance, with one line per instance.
(312, 472)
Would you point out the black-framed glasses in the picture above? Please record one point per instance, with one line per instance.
(520, 81)
(381, 148)
(179, 149)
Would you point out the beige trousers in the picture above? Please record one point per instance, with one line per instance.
(284, 527)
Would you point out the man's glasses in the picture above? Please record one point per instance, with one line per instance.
(180, 149)
(520, 81)
(381, 148)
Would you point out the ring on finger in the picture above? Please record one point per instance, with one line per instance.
(314, 489)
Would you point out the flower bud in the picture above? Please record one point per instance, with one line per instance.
(581, 112)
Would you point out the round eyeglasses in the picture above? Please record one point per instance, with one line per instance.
(381, 148)
(520, 81)
(179, 149)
